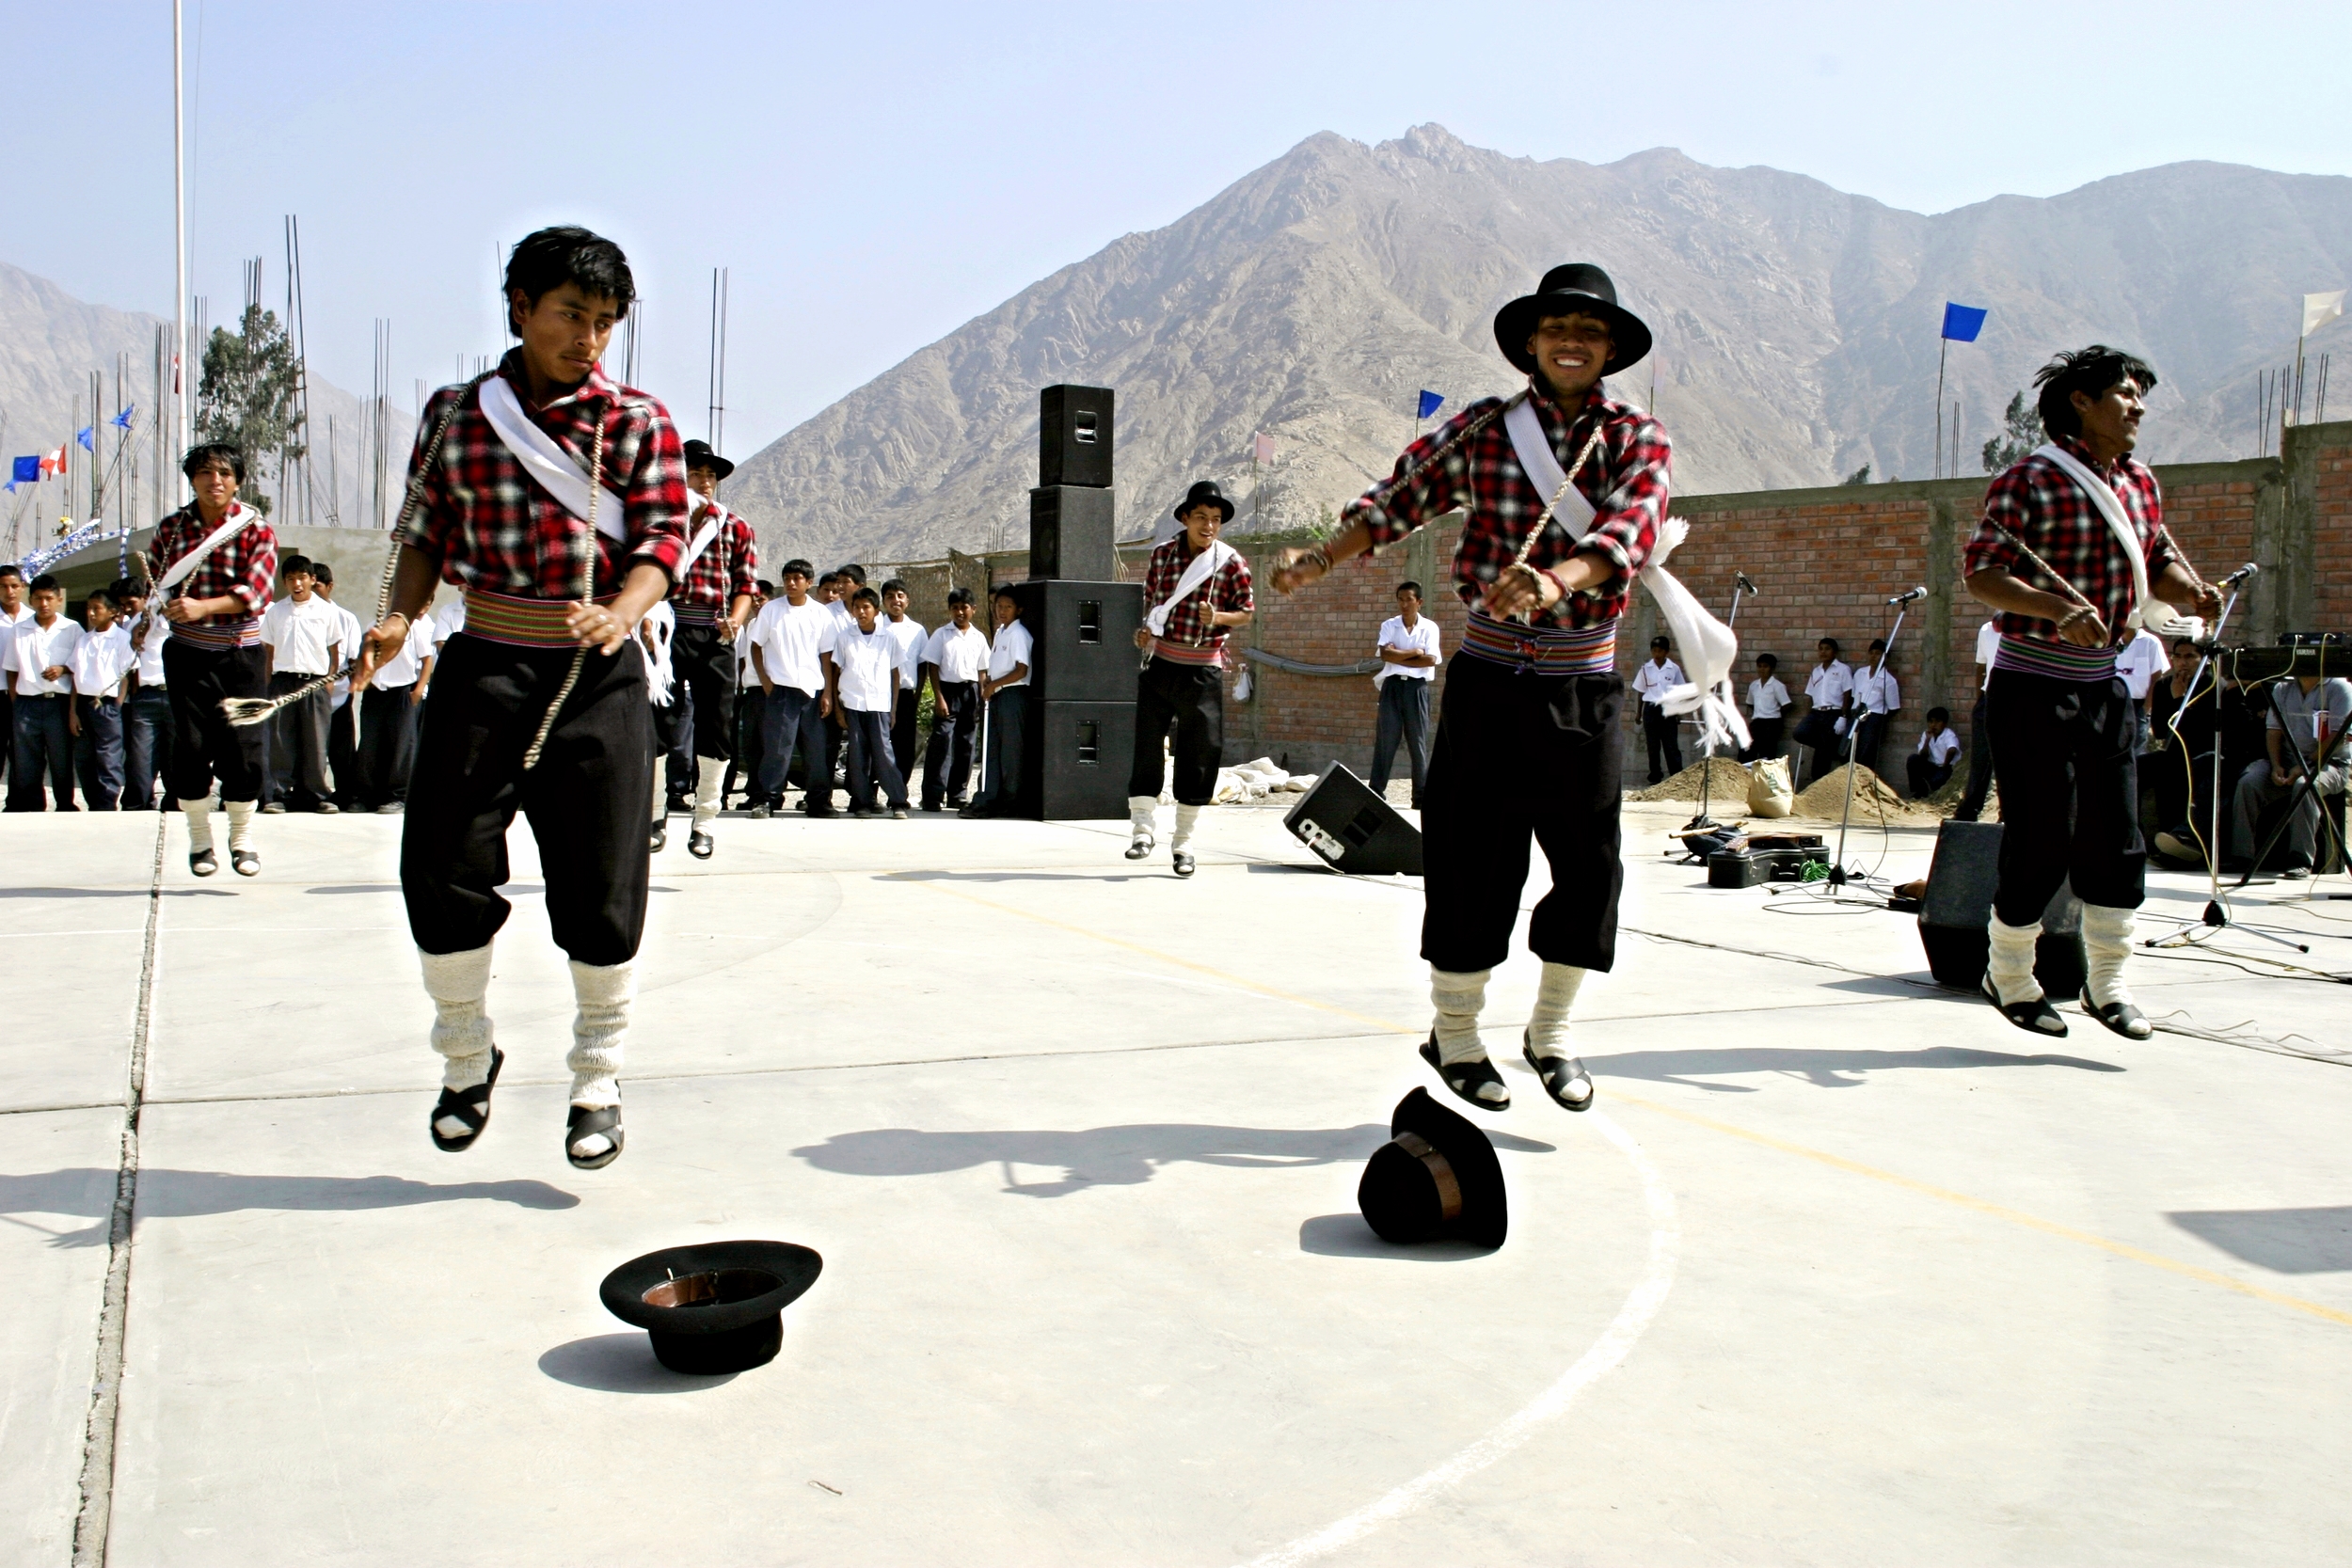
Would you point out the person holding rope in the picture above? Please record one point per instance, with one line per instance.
(217, 558)
(556, 498)
(1565, 490)
(1199, 590)
(2072, 553)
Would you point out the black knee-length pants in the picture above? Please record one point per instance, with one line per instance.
(1190, 698)
(203, 742)
(2070, 793)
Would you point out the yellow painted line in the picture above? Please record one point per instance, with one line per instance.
(2014, 1216)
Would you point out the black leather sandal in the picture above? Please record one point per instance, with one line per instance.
(700, 844)
(1466, 1078)
(202, 863)
(661, 837)
(1558, 1074)
(585, 1121)
(2036, 1017)
(245, 863)
(2122, 1016)
(1181, 860)
(471, 1106)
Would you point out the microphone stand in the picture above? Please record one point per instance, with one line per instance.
(1854, 736)
(1707, 770)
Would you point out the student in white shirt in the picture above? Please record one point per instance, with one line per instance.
(146, 710)
(342, 725)
(954, 658)
(906, 633)
(1931, 761)
(1829, 706)
(1980, 736)
(1651, 683)
(1767, 700)
(2141, 660)
(788, 643)
(39, 668)
(303, 633)
(848, 581)
(13, 609)
(391, 706)
(1005, 690)
(750, 705)
(1409, 656)
(1877, 699)
(861, 678)
(102, 666)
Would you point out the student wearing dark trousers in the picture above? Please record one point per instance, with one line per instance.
(39, 663)
(302, 635)
(789, 640)
(147, 711)
(1409, 654)
(13, 609)
(1005, 690)
(1661, 729)
(101, 667)
(955, 657)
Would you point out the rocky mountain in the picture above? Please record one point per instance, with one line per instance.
(51, 341)
(1797, 331)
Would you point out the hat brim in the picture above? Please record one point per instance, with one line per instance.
(793, 1268)
(1628, 335)
(1190, 501)
(1486, 1212)
(712, 461)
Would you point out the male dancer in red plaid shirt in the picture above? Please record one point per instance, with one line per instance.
(2047, 557)
(1181, 687)
(1530, 742)
(546, 593)
(711, 601)
(216, 652)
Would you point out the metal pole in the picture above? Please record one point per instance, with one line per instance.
(1944, 346)
(179, 240)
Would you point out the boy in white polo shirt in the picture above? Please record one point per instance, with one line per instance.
(907, 632)
(1408, 646)
(861, 678)
(102, 663)
(147, 704)
(40, 667)
(1005, 693)
(304, 636)
(788, 645)
(954, 658)
(1768, 699)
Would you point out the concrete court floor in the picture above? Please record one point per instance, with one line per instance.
(1841, 1270)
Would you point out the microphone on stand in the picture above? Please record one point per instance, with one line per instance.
(1747, 583)
(1906, 598)
(2239, 576)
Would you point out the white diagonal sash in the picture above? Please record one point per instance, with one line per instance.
(703, 536)
(237, 519)
(555, 470)
(1198, 571)
(2147, 610)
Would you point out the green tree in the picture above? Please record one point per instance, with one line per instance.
(2021, 432)
(1860, 476)
(247, 396)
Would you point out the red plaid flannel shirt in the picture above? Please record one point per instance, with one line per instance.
(2035, 500)
(245, 564)
(1228, 589)
(729, 567)
(1626, 479)
(491, 527)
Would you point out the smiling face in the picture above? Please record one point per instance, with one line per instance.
(1569, 353)
(1202, 524)
(565, 334)
(961, 611)
(216, 486)
(894, 604)
(2111, 420)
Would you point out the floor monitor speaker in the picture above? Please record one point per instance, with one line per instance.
(1082, 639)
(1078, 754)
(1956, 914)
(1074, 437)
(1354, 829)
(1070, 533)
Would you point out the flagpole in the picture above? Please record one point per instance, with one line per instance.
(179, 238)
(1943, 347)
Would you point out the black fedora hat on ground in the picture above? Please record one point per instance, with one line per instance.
(1205, 491)
(699, 455)
(1435, 1179)
(1579, 288)
(713, 1308)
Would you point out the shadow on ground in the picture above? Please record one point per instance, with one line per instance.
(1824, 1068)
(89, 1193)
(1348, 1236)
(1094, 1157)
(621, 1364)
(2284, 1241)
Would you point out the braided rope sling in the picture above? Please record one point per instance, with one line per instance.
(587, 595)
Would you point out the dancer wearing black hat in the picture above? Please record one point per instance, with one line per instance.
(557, 499)
(712, 600)
(1565, 492)
(1198, 589)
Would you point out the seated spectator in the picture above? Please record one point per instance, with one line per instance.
(1938, 752)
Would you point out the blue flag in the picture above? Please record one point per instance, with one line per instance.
(27, 471)
(122, 420)
(1431, 402)
(83, 436)
(1961, 323)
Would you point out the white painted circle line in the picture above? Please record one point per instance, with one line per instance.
(1634, 1319)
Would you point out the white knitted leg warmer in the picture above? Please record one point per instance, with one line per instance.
(200, 815)
(709, 774)
(1141, 812)
(459, 983)
(1459, 1000)
(660, 792)
(1185, 818)
(2107, 942)
(240, 823)
(603, 993)
(1555, 994)
(2010, 962)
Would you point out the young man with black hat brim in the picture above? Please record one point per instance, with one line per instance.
(556, 498)
(229, 554)
(1530, 742)
(2071, 551)
(1196, 590)
(712, 601)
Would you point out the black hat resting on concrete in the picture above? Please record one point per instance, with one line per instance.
(1578, 289)
(1437, 1179)
(714, 1308)
(699, 455)
(1205, 491)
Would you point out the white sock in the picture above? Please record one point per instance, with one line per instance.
(2010, 961)
(1555, 994)
(1459, 1000)
(459, 983)
(660, 793)
(709, 773)
(1185, 818)
(240, 823)
(200, 815)
(1142, 812)
(2108, 942)
(600, 1031)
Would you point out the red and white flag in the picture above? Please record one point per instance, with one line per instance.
(52, 463)
(1264, 451)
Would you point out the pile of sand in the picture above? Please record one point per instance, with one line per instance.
(1874, 800)
(1731, 785)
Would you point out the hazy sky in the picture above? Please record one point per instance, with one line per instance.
(876, 176)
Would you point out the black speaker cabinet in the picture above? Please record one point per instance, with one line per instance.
(1084, 639)
(1074, 437)
(1070, 533)
(1076, 759)
(1354, 829)
(1956, 915)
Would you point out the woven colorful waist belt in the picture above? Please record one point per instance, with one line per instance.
(695, 614)
(519, 622)
(217, 634)
(1543, 651)
(1205, 655)
(2063, 662)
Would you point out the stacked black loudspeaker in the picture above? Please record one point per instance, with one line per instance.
(1081, 733)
